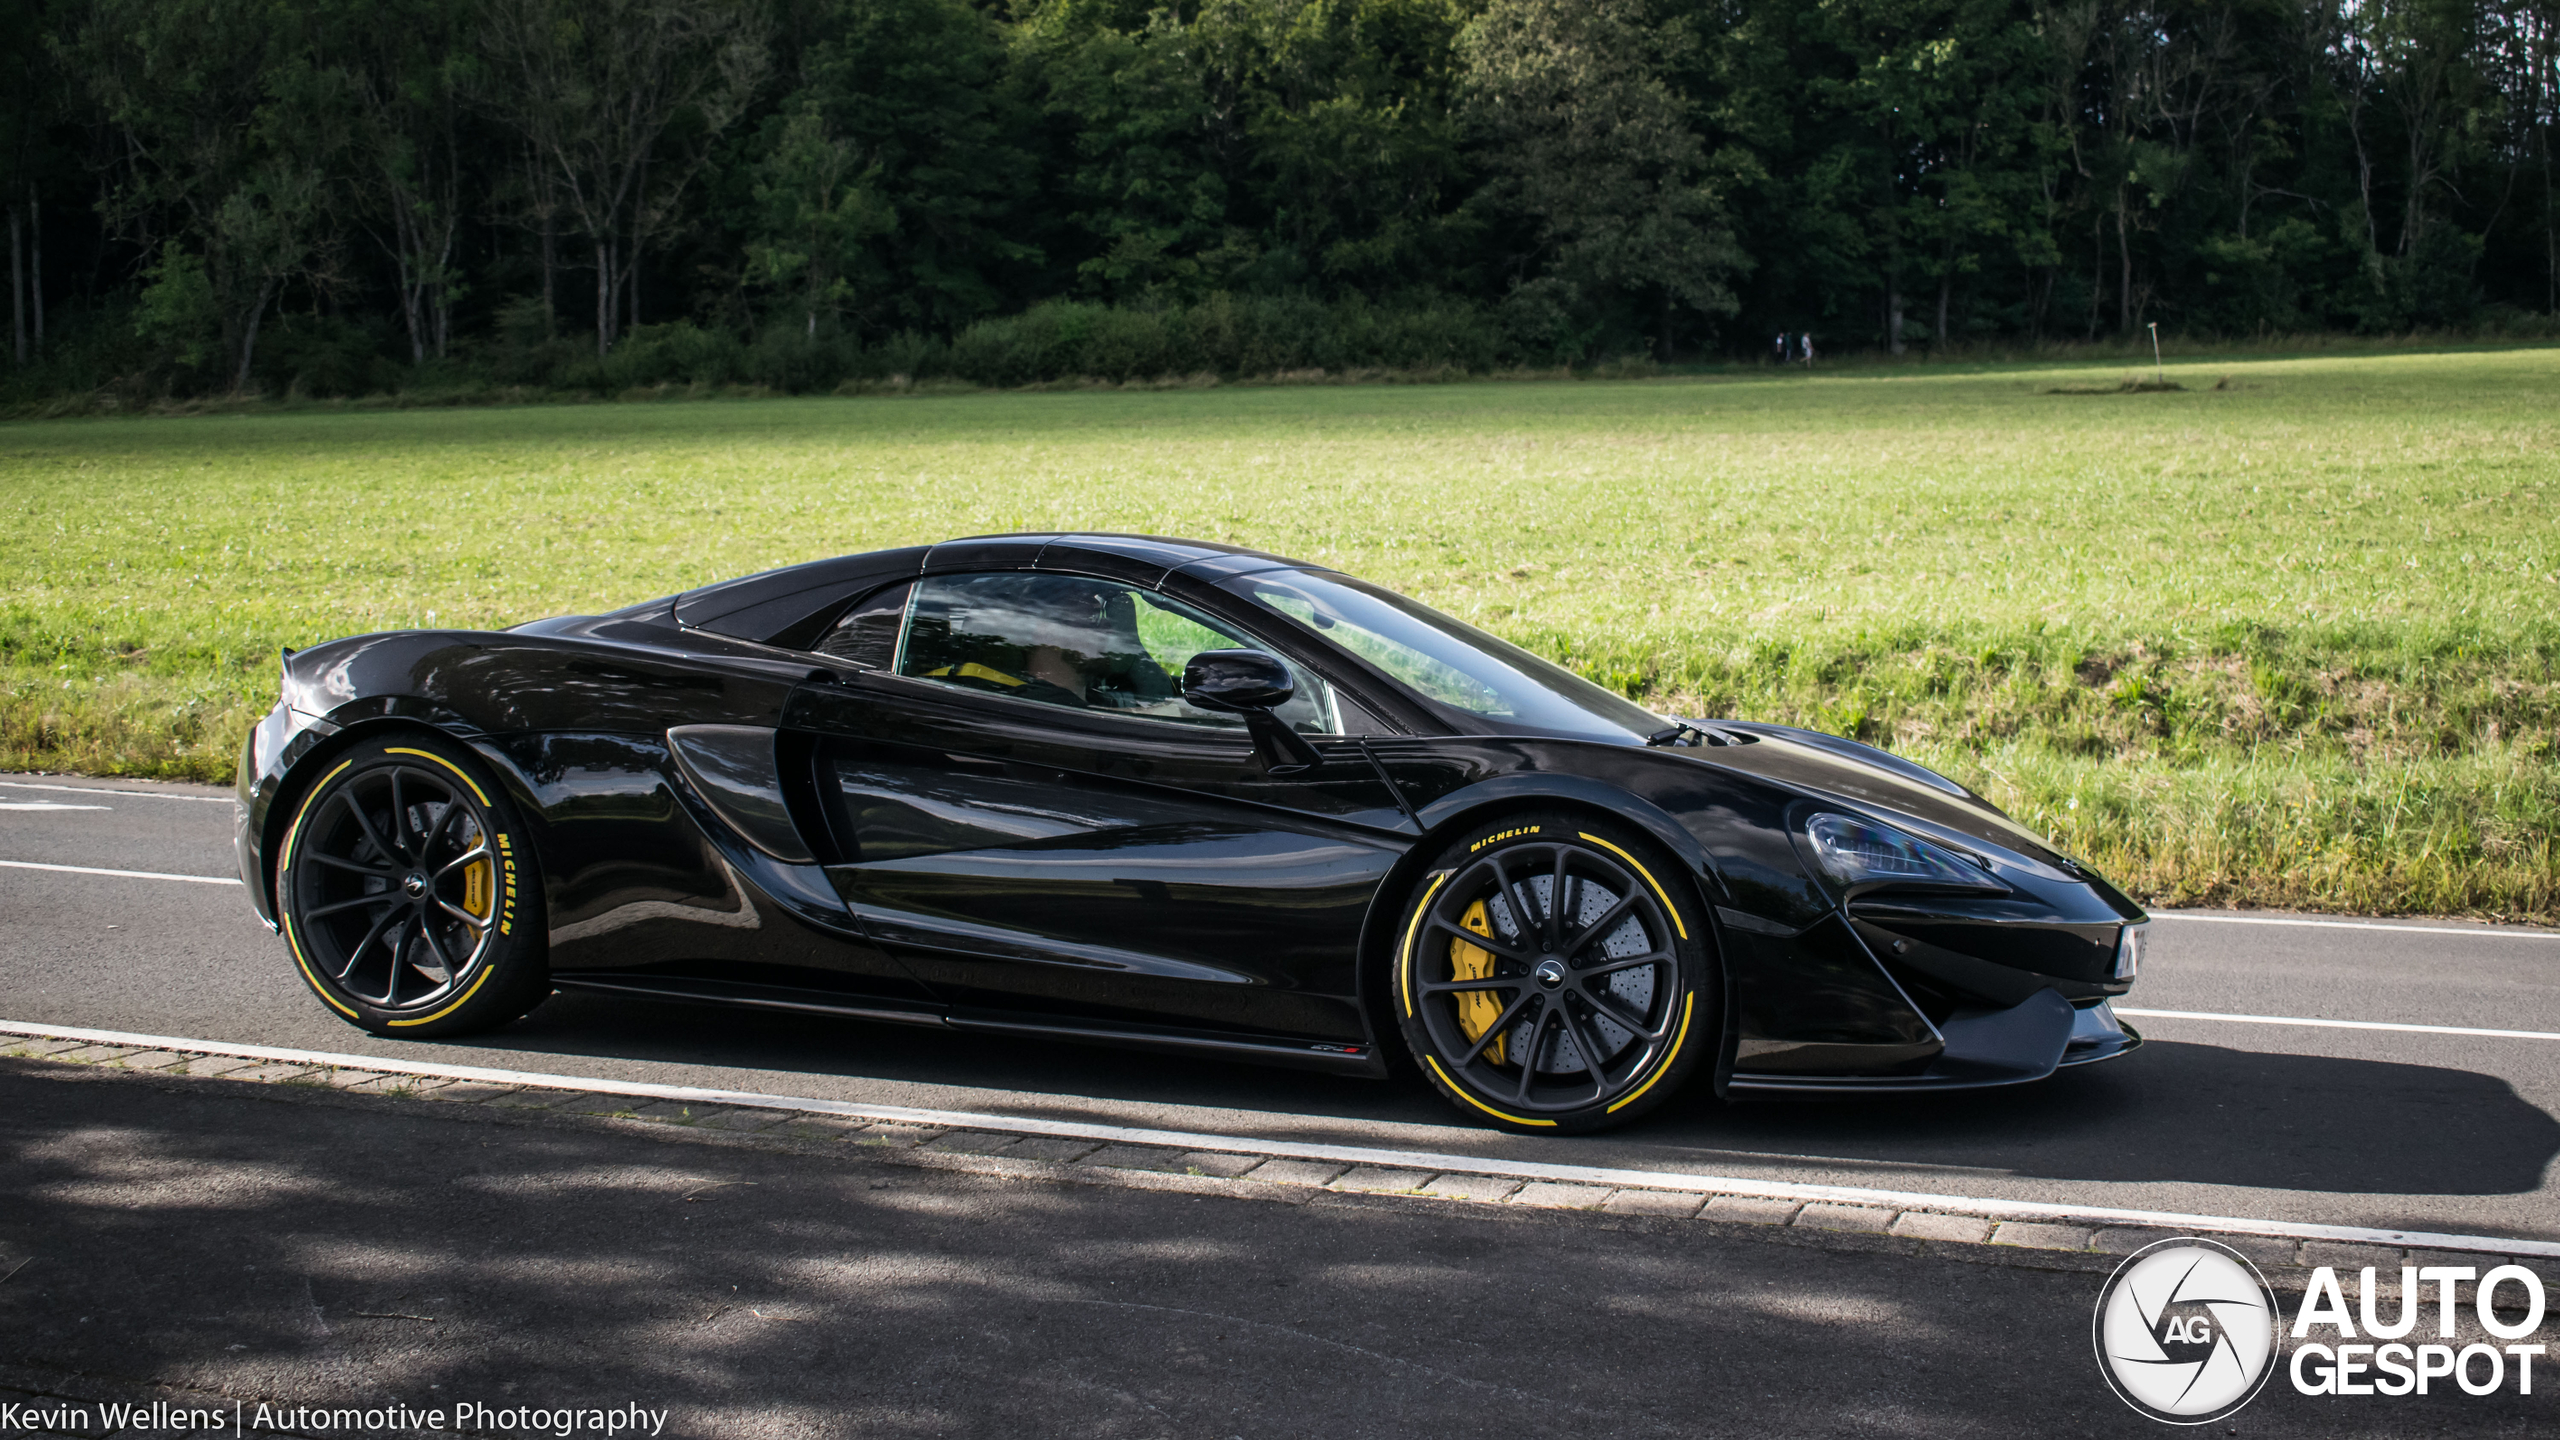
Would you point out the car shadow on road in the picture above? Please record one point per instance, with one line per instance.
(674, 1032)
(2186, 1113)
(2173, 1112)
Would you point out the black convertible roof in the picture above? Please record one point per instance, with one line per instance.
(754, 606)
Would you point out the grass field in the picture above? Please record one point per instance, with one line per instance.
(2292, 641)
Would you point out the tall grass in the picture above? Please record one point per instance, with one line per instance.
(2289, 642)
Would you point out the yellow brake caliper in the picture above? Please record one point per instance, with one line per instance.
(1476, 1008)
(476, 888)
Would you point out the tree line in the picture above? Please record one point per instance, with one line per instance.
(344, 195)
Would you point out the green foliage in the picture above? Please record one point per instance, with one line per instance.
(1229, 337)
(1596, 154)
(917, 94)
(1591, 181)
(177, 310)
(226, 119)
(816, 213)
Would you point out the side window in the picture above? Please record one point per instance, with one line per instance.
(867, 634)
(1083, 644)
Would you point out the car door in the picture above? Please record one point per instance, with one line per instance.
(1029, 814)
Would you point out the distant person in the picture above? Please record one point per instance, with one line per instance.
(1804, 352)
(1782, 347)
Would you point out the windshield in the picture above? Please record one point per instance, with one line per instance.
(1448, 662)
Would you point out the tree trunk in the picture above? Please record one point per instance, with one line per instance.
(2124, 265)
(550, 268)
(1893, 312)
(17, 289)
(604, 299)
(412, 285)
(1938, 337)
(34, 247)
(2364, 185)
(439, 301)
(2097, 269)
(249, 340)
(639, 219)
(2413, 214)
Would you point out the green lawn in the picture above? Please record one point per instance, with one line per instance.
(2292, 641)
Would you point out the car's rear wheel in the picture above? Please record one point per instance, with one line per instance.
(407, 895)
(1554, 974)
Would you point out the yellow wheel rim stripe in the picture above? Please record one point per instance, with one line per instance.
(1413, 929)
(1676, 922)
(1688, 1005)
(284, 913)
(1461, 1092)
(484, 799)
(456, 1005)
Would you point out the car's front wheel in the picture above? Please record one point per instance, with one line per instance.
(406, 892)
(1554, 974)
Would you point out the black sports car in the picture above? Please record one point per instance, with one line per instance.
(1166, 794)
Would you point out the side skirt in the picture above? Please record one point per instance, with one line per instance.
(1335, 1059)
(757, 997)
(1362, 1061)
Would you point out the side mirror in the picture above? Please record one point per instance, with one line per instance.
(1237, 682)
(1252, 684)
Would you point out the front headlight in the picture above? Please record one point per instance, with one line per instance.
(1862, 854)
(2130, 942)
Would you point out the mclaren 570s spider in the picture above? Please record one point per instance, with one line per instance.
(1166, 794)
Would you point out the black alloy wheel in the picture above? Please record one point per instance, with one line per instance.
(1551, 979)
(405, 895)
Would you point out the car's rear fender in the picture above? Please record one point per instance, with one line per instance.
(273, 797)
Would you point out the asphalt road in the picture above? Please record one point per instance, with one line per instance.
(2385, 1128)
(196, 1243)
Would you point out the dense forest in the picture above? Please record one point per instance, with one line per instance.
(344, 196)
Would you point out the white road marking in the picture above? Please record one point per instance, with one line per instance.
(127, 874)
(2340, 1024)
(2484, 932)
(102, 790)
(47, 805)
(1336, 1154)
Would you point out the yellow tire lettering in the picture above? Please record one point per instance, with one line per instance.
(507, 913)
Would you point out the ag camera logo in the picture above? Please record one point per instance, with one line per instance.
(2186, 1331)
